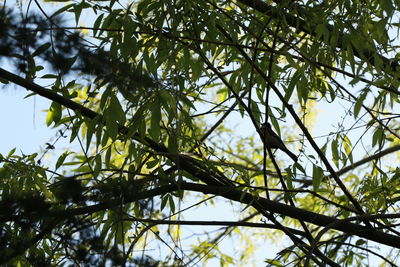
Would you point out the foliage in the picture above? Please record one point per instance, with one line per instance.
(162, 103)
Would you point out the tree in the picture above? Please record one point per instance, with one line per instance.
(151, 94)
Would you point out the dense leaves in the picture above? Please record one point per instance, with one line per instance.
(162, 103)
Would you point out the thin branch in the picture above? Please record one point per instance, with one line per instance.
(216, 223)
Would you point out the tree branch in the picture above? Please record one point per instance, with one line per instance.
(342, 225)
(215, 223)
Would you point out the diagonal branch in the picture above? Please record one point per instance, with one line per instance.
(187, 163)
(304, 130)
(368, 159)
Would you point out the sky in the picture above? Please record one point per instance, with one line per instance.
(23, 121)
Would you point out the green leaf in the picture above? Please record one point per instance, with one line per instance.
(316, 177)
(171, 204)
(75, 130)
(116, 111)
(186, 60)
(302, 91)
(84, 168)
(299, 167)
(155, 120)
(289, 182)
(54, 114)
(111, 126)
(113, 116)
(12, 151)
(335, 152)
(150, 63)
(41, 49)
(78, 11)
(97, 23)
(99, 132)
(49, 76)
(57, 112)
(360, 242)
(151, 164)
(350, 57)
(378, 137)
(61, 159)
(290, 88)
(97, 165)
(256, 112)
(128, 45)
(61, 10)
(196, 67)
(172, 144)
(273, 262)
(359, 102)
(105, 96)
(49, 118)
(348, 148)
(164, 201)
(91, 127)
(107, 158)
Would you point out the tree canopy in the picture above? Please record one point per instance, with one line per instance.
(163, 102)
